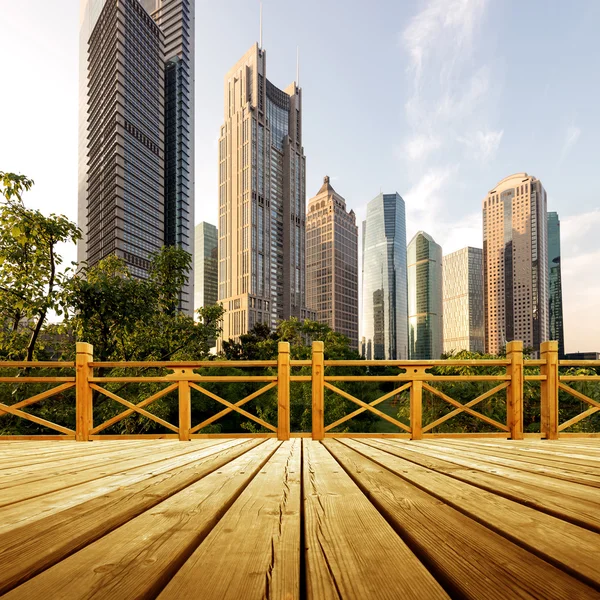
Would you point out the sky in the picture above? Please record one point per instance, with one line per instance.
(435, 99)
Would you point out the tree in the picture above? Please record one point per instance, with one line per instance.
(31, 278)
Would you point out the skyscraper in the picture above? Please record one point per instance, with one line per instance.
(135, 173)
(261, 199)
(463, 301)
(332, 262)
(384, 284)
(515, 261)
(205, 265)
(425, 298)
(176, 19)
(555, 283)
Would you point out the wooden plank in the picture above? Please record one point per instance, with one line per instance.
(36, 546)
(563, 544)
(46, 486)
(489, 459)
(582, 512)
(468, 559)
(140, 557)
(351, 551)
(83, 461)
(467, 459)
(545, 451)
(254, 551)
(526, 459)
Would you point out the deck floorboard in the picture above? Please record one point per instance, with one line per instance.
(343, 518)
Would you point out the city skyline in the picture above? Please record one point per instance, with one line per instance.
(561, 159)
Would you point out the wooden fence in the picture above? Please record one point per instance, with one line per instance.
(415, 378)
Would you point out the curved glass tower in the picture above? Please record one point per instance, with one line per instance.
(425, 298)
(384, 286)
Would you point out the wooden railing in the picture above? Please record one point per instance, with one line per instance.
(414, 379)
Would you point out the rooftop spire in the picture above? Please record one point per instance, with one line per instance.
(261, 28)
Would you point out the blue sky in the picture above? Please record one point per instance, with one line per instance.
(435, 99)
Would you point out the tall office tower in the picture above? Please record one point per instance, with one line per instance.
(176, 19)
(205, 265)
(555, 283)
(515, 263)
(261, 200)
(463, 321)
(384, 284)
(135, 149)
(425, 298)
(332, 262)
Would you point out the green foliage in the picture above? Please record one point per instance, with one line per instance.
(32, 281)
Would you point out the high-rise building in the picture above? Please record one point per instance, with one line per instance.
(135, 148)
(425, 298)
(463, 321)
(332, 262)
(384, 284)
(176, 19)
(205, 265)
(555, 310)
(515, 262)
(261, 200)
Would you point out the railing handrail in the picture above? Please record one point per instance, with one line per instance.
(415, 377)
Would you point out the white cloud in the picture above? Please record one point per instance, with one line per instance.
(571, 137)
(420, 146)
(483, 144)
(454, 18)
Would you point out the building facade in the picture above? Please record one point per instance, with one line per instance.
(332, 262)
(262, 200)
(384, 282)
(555, 310)
(425, 298)
(515, 262)
(176, 19)
(205, 265)
(463, 321)
(128, 162)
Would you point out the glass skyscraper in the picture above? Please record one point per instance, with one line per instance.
(555, 283)
(205, 265)
(136, 131)
(425, 299)
(463, 301)
(384, 283)
(262, 200)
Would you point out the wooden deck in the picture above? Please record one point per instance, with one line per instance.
(343, 518)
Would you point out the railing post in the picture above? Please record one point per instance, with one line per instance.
(185, 411)
(318, 391)
(83, 392)
(283, 391)
(514, 392)
(416, 410)
(549, 402)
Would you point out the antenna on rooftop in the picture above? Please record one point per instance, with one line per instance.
(261, 28)
(297, 66)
